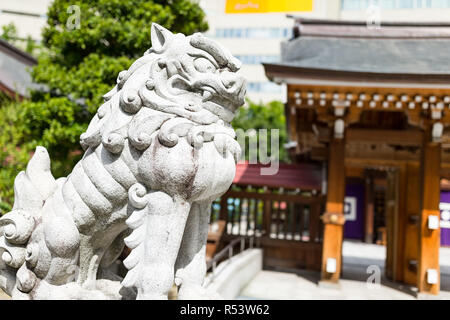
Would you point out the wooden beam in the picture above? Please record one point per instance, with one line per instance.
(375, 163)
(394, 137)
(429, 238)
(409, 137)
(445, 170)
(294, 89)
(334, 216)
(415, 102)
(292, 122)
(369, 209)
(355, 172)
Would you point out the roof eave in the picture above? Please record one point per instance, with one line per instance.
(17, 53)
(312, 21)
(286, 74)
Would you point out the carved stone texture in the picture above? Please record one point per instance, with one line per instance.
(157, 153)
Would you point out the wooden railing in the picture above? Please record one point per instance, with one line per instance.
(286, 223)
(275, 215)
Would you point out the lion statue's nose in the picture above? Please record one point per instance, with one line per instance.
(232, 82)
(228, 83)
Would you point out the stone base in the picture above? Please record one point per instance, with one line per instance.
(329, 285)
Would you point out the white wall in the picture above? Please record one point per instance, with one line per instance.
(26, 25)
(402, 15)
(233, 275)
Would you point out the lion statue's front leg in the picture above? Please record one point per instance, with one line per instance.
(190, 266)
(155, 242)
(170, 226)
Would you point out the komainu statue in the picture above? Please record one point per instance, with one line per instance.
(157, 153)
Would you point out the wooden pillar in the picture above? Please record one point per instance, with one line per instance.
(429, 231)
(223, 208)
(397, 198)
(369, 209)
(409, 212)
(291, 126)
(392, 194)
(333, 218)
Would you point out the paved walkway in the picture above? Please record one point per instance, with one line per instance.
(357, 257)
(4, 296)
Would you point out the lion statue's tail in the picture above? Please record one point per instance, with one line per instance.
(31, 188)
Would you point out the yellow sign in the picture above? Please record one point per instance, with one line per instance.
(264, 6)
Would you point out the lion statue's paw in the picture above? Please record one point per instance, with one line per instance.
(102, 290)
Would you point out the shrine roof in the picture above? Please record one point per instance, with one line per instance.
(14, 74)
(395, 50)
(289, 176)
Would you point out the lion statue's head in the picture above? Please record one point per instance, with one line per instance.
(191, 77)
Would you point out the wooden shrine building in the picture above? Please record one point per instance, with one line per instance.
(368, 101)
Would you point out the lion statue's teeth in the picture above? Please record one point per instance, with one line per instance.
(206, 95)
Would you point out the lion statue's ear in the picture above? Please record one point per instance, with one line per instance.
(160, 36)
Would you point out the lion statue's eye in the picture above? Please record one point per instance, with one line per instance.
(204, 65)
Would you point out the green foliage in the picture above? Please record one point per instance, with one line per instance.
(12, 159)
(80, 62)
(9, 32)
(31, 46)
(263, 116)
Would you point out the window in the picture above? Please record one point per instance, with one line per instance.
(257, 59)
(354, 4)
(394, 4)
(387, 4)
(264, 87)
(406, 4)
(258, 33)
(436, 4)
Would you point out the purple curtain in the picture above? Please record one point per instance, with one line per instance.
(445, 218)
(354, 211)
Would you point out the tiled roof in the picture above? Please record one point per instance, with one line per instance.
(14, 69)
(349, 46)
(289, 176)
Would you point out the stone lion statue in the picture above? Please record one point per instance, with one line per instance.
(157, 153)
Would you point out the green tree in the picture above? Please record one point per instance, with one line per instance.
(9, 32)
(263, 116)
(86, 44)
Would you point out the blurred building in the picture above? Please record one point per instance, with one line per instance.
(29, 16)
(254, 29)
